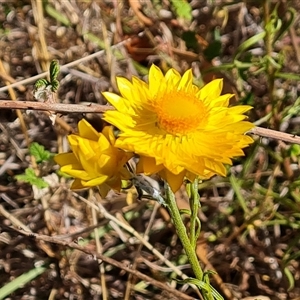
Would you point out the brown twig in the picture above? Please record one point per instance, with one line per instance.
(14, 98)
(74, 245)
(276, 135)
(40, 44)
(136, 7)
(56, 107)
(131, 278)
(9, 79)
(62, 68)
(96, 108)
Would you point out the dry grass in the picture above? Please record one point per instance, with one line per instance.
(250, 220)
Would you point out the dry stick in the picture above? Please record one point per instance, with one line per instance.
(274, 134)
(96, 108)
(40, 44)
(294, 40)
(100, 208)
(15, 221)
(131, 278)
(74, 245)
(109, 56)
(99, 250)
(10, 80)
(13, 97)
(110, 217)
(62, 68)
(56, 107)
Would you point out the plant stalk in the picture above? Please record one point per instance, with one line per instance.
(182, 234)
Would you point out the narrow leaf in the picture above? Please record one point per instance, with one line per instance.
(20, 281)
(250, 42)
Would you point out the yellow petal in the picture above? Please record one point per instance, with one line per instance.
(85, 150)
(186, 80)
(211, 90)
(74, 172)
(115, 183)
(128, 92)
(76, 185)
(215, 167)
(156, 80)
(95, 181)
(86, 130)
(172, 78)
(174, 181)
(65, 159)
(118, 119)
(108, 132)
(104, 189)
(118, 102)
(190, 176)
(148, 165)
(239, 109)
(221, 101)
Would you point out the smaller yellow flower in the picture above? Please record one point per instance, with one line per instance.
(95, 161)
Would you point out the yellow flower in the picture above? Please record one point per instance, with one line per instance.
(95, 161)
(178, 129)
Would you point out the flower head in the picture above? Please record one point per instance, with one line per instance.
(94, 160)
(178, 129)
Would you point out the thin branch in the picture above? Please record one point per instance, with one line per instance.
(74, 245)
(55, 107)
(62, 68)
(274, 134)
(97, 108)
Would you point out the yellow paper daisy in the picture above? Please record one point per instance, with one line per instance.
(178, 129)
(94, 160)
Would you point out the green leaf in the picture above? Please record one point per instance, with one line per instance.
(32, 179)
(182, 9)
(94, 39)
(20, 281)
(213, 50)
(236, 185)
(248, 99)
(39, 152)
(185, 211)
(290, 278)
(58, 15)
(41, 84)
(54, 85)
(288, 22)
(294, 150)
(223, 67)
(206, 287)
(54, 71)
(289, 76)
(250, 42)
(190, 40)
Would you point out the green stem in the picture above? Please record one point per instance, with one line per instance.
(194, 204)
(269, 67)
(182, 234)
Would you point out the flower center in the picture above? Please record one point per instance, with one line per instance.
(179, 112)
